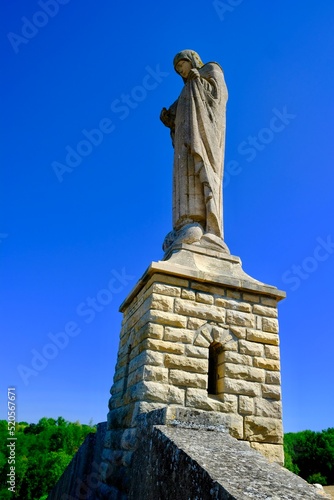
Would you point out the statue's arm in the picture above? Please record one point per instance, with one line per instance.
(167, 116)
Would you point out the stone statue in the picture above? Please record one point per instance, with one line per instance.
(197, 124)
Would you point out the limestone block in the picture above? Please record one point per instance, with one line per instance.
(156, 392)
(241, 387)
(263, 430)
(117, 387)
(204, 298)
(185, 363)
(271, 351)
(262, 337)
(267, 408)
(239, 332)
(250, 297)
(240, 319)
(168, 280)
(268, 301)
(196, 352)
(200, 311)
(150, 330)
(199, 398)
(120, 417)
(163, 346)
(270, 325)
(258, 322)
(265, 311)
(163, 289)
(273, 452)
(195, 323)
(246, 405)
(148, 372)
(119, 373)
(234, 357)
(178, 335)
(129, 439)
(221, 335)
(251, 348)
(146, 358)
(188, 294)
(113, 438)
(268, 364)
(141, 407)
(201, 341)
(271, 391)
(187, 379)
(244, 372)
(233, 294)
(162, 302)
(166, 318)
(273, 378)
(213, 289)
(234, 305)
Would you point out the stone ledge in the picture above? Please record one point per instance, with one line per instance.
(192, 263)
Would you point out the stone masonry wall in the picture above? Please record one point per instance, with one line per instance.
(163, 359)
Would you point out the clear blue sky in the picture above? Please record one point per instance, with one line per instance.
(71, 67)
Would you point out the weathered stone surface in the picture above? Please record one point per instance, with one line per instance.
(164, 346)
(273, 452)
(200, 311)
(165, 318)
(246, 405)
(188, 294)
(268, 408)
(146, 358)
(262, 337)
(196, 352)
(163, 289)
(178, 335)
(244, 372)
(251, 348)
(265, 311)
(195, 323)
(268, 364)
(188, 379)
(232, 304)
(235, 357)
(271, 351)
(185, 363)
(242, 387)
(183, 463)
(204, 298)
(240, 319)
(162, 302)
(273, 378)
(263, 430)
(233, 294)
(155, 392)
(270, 325)
(239, 332)
(271, 391)
(250, 297)
(268, 301)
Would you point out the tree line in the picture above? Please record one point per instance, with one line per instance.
(311, 455)
(42, 453)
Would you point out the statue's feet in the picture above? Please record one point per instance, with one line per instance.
(189, 234)
(193, 234)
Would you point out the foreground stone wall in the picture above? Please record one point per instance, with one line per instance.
(198, 464)
(170, 326)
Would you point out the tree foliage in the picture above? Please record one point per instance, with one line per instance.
(311, 455)
(42, 452)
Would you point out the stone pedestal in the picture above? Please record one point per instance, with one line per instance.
(198, 333)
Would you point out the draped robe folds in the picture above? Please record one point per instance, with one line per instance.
(199, 144)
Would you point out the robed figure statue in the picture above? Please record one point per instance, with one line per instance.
(197, 123)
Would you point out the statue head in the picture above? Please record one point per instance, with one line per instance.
(186, 56)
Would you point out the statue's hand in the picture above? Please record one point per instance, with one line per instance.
(165, 117)
(193, 74)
